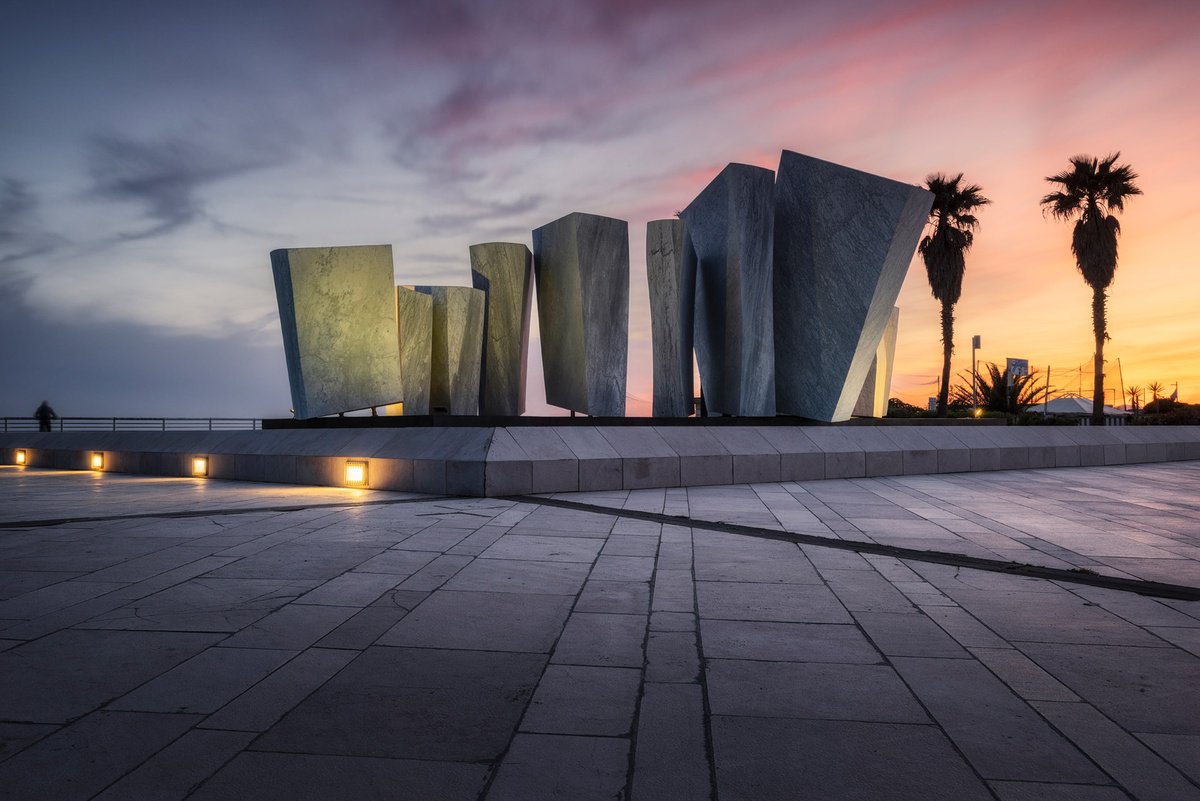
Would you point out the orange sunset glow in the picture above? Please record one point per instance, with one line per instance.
(1011, 111)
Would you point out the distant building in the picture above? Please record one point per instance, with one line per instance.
(1079, 409)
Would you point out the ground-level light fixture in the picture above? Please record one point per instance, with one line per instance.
(22, 456)
(97, 461)
(200, 466)
(356, 473)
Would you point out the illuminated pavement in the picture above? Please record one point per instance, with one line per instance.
(389, 645)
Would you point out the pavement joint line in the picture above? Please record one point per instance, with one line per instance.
(186, 513)
(1153, 589)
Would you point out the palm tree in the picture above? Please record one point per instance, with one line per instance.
(943, 251)
(1091, 192)
(1154, 388)
(1135, 393)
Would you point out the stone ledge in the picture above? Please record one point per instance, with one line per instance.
(486, 461)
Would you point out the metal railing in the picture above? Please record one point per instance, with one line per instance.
(30, 424)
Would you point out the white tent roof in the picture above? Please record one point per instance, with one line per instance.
(1073, 405)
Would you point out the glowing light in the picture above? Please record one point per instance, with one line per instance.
(22, 457)
(200, 466)
(356, 474)
(979, 412)
(97, 461)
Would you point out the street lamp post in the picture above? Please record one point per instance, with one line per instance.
(975, 344)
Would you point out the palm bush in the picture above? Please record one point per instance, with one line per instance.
(997, 393)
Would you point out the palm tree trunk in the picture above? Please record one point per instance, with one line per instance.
(947, 349)
(1098, 326)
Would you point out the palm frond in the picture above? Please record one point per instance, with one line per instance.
(954, 224)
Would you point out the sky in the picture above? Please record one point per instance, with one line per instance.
(152, 155)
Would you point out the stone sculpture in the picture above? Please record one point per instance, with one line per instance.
(504, 271)
(843, 242)
(457, 345)
(581, 267)
(337, 311)
(414, 329)
(729, 230)
(672, 295)
(877, 389)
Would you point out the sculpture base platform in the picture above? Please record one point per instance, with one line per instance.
(593, 455)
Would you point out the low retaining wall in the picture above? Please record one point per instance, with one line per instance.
(539, 459)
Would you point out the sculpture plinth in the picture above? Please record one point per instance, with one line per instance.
(729, 236)
(337, 311)
(843, 242)
(504, 271)
(414, 329)
(877, 389)
(581, 266)
(672, 298)
(458, 313)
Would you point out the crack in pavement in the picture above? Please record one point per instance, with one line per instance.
(1154, 589)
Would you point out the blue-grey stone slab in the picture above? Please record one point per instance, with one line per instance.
(414, 327)
(843, 242)
(337, 311)
(729, 245)
(504, 271)
(877, 388)
(581, 266)
(672, 305)
(458, 313)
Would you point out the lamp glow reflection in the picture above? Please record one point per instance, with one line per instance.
(22, 457)
(356, 473)
(200, 466)
(97, 461)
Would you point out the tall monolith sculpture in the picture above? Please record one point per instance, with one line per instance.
(843, 242)
(581, 267)
(672, 298)
(414, 330)
(877, 388)
(729, 231)
(337, 310)
(504, 271)
(457, 342)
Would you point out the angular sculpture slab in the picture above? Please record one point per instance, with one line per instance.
(458, 313)
(877, 389)
(414, 329)
(729, 227)
(581, 266)
(843, 242)
(672, 298)
(337, 310)
(504, 271)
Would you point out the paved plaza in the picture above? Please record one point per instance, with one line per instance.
(179, 638)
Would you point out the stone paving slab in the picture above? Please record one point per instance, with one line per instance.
(493, 649)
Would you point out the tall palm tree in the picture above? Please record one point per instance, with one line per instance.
(1091, 192)
(1155, 388)
(944, 249)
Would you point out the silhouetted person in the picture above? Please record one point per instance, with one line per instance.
(44, 415)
